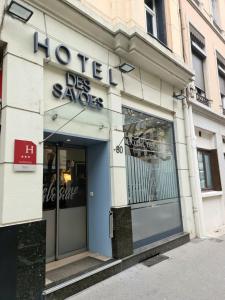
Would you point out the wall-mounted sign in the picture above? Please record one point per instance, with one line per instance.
(77, 89)
(25, 153)
(64, 57)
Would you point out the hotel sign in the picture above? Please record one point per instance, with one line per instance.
(25, 153)
(77, 88)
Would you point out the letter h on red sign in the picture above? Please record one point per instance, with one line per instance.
(25, 152)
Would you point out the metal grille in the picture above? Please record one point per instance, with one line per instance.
(203, 100)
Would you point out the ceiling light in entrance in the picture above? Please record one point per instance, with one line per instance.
(19, 11)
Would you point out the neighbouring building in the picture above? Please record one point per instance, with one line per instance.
(204, 49)
(94, 162)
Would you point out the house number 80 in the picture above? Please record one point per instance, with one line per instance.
(119, 149)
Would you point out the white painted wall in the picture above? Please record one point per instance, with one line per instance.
(206, 140)
(28, 81)
(214, 203)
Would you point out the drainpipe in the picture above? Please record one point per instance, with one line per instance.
(183, 28)
(193, 169)
(191, 145)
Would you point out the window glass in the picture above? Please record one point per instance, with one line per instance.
(208, 171)
(149, 18)
(223, 102)
(149, 3)
(205, 171)
(155, 19)
(150, 158)
(221, 75)
(201, 170)
(222, 84)
(49, 178)
(215, 10)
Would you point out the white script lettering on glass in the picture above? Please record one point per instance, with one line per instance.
(65, 193)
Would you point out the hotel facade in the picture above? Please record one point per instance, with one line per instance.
(97, 167)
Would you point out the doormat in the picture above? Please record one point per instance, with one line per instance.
(154, 260)
(72, 269)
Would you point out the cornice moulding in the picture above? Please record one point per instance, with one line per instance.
(207, 113)
(131, 44)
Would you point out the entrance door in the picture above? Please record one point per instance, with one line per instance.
(64, 201)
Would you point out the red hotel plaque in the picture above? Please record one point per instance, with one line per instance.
(25, 153)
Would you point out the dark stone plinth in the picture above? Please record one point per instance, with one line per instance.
(154, 249)
(22, 261)
(122, 242)
(80, 285)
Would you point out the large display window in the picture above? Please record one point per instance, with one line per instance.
(150, 155)
(152, 177)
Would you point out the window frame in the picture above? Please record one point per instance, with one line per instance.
(215, 12)
(152, 12)
(221, 74)
(200, 53)
(203, 153)
(172, 143)
(197, 49)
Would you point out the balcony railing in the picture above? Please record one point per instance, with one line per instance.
(203, 100)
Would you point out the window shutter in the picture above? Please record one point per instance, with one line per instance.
(220, 59)
(215, 170)
(199, 74)
(215, 11)
(197, 37)
(160, 20)
(222, 84)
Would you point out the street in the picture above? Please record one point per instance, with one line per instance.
(194, 271)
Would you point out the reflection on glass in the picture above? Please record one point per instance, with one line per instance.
(205, 173)
(208, 171)
(151, 167)
(49, 178)
(72, 178)
(201, 170)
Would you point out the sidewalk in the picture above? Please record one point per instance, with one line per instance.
(194, 271)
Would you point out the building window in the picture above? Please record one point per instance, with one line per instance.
(209, 170)
(198, 58)
(151, 17)
(221, 74)
(205, 172)
(150, 158)
(155, 19)
(215, 11)
(197, 62)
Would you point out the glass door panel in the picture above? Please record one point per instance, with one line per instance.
(50, 199)
(72, 202)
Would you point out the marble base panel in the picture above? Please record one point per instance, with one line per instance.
(22, 261)
(122, 241)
